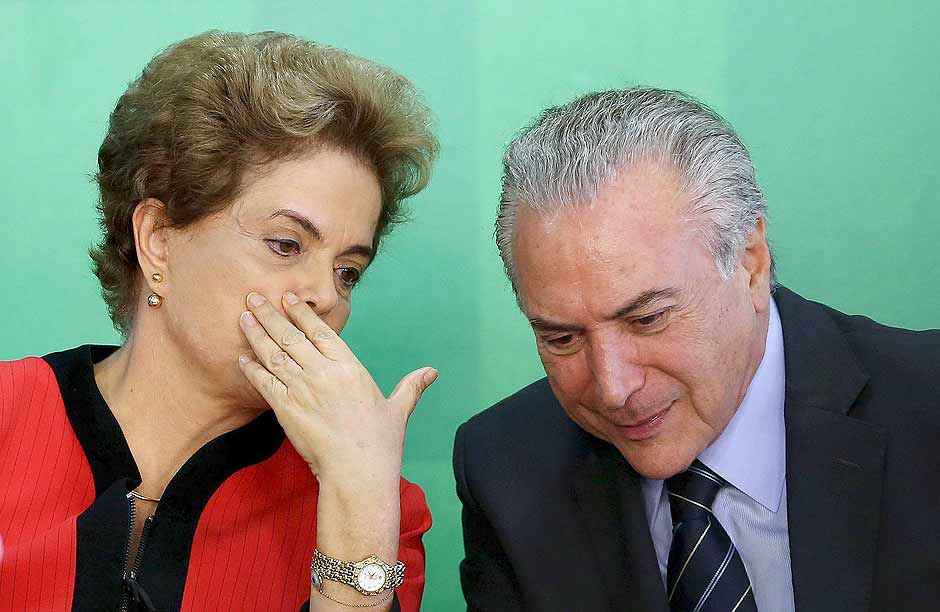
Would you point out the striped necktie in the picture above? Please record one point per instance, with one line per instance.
(705, 571)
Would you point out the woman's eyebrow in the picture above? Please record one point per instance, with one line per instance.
(311, 228)
(305, 224)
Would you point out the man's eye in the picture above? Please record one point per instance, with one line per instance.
(348, 276)
(284, 247)
(651, 321)
(562, 345)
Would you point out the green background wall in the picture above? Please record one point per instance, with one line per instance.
(838, 103)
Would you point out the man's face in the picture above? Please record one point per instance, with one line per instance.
(644, 344)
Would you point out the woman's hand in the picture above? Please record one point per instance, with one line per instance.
(327, 402)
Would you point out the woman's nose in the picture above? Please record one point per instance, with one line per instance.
(319, 291)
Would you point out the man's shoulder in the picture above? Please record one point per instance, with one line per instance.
(903, 368)
(532, 410)
(881, 349)
(530, 423)
(885, 345)
(896, 369)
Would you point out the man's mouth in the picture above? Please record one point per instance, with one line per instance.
(646, 427)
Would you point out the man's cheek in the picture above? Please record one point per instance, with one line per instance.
(567, 382)
(591, 422)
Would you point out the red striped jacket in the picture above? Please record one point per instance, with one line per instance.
(235, 529)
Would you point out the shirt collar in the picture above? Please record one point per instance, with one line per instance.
(751, 451)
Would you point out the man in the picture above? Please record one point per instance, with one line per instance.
(705, 439)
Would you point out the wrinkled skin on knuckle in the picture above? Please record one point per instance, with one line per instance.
(279, 359)
(273, 386)
(294, 336)
(321, 333)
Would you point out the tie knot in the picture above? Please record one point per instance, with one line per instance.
(692, 492)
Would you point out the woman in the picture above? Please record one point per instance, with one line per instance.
(246, 181)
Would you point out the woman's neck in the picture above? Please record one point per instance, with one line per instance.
(167, 409)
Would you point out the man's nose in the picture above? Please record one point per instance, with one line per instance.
(617, 370)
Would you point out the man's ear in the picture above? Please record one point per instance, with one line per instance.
(150, 230)
(756, 263)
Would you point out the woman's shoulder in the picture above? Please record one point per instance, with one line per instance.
(23, 366)
(21, 380)
(43, 380)
(31, 403)
(24, 374)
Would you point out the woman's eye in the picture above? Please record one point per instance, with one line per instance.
(284, 247)
(348, 276)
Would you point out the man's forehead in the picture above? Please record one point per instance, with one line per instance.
(618, 240)
(643, 187)
(594, 263)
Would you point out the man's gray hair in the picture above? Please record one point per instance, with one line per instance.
(571, 152)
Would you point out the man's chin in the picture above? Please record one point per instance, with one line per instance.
(657, 464)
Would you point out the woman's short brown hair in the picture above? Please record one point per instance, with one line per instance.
(211, 107)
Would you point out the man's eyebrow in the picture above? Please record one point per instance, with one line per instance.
(311, 228)
(546, 325)
(645, 299)
(639, 302)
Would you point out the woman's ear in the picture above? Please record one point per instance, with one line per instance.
(150, 229)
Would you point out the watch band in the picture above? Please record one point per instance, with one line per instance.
(324, 567)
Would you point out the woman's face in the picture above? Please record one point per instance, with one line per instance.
(305, 225)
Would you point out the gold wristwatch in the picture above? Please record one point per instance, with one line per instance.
(371, 576)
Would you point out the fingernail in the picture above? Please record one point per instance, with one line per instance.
(255, 299)
(244, 359)
(291, 298)
(248, 319)
(430, 376)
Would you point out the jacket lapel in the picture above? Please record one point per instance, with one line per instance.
(608, 492)
(835, 463)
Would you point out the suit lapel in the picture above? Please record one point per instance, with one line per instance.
(608, 493)
(835, 464)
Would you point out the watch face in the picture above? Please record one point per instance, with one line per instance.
(371, 578)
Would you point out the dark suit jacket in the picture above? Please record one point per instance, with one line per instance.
(554, 518)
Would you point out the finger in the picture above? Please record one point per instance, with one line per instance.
(268, 385)
(410, 388)
(272, 357)
(283, 332)
(327, 341)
